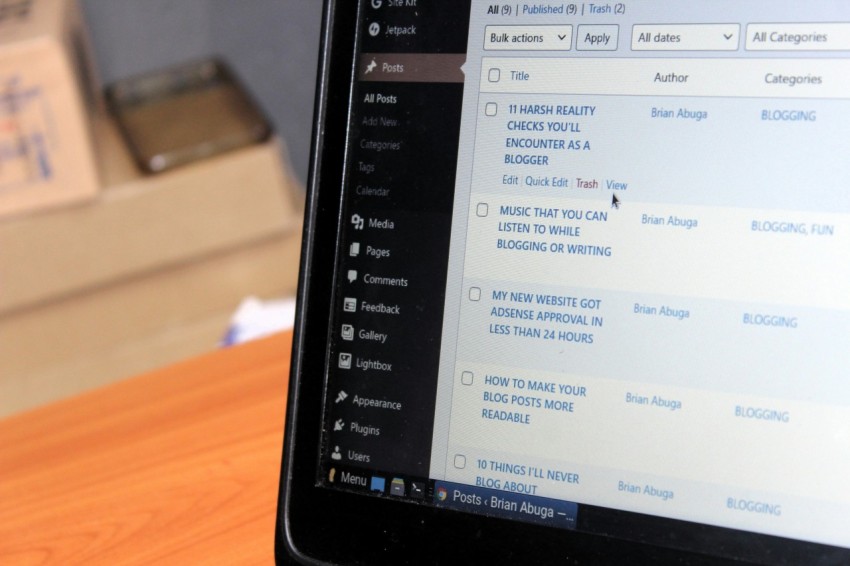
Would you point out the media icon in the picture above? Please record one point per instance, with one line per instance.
(349, 304)
(352, 275)
(358, 221)
(347, 332)
(341, 396)
(335, 455)
(354, 249)
(397, 487)
(339, 425)
(344, 360)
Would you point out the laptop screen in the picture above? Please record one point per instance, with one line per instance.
(594, 266)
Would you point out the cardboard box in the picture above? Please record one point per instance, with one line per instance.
(143, 223)
(146, 274)
(46, 98)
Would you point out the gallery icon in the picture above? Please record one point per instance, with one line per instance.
(349, 304)
(344, 360)
(347, 332)
(358, 221)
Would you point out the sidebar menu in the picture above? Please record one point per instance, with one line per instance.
(393, 248)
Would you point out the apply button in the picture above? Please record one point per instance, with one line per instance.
(597, 37)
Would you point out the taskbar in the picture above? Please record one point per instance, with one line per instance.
(625, 525)
(460, 497)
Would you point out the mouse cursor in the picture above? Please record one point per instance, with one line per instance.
(615, 202)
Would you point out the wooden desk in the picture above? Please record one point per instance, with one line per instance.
(179, 465)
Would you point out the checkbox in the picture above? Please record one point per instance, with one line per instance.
(474, 294)
(494, 75)
(466, 378)
(491, 109)
(482, 209)
(460, 461)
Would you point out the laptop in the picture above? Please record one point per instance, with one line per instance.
(575, 286)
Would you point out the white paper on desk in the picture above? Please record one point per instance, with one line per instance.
(256, 318)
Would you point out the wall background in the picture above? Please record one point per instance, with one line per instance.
(271, 44)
